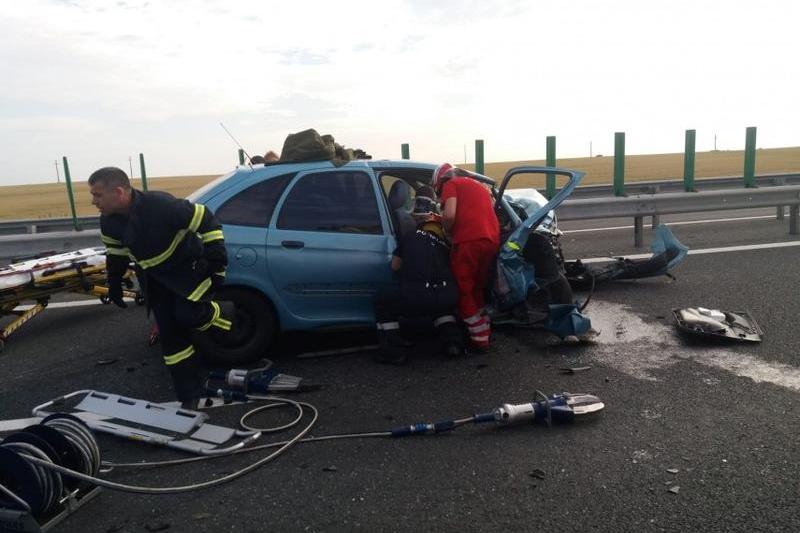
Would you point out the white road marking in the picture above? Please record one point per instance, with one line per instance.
(684, 223)
(702, 251)
(639, 349)
(62, 305)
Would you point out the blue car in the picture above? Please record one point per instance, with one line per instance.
(309, 243)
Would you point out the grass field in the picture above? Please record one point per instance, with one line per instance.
(50, 200)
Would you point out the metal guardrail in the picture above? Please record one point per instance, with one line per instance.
(41, 235)
(654, 205)
(46, 225)
(12, 246)
(676, 185)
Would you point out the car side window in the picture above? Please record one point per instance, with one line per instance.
(254, 205)
(341, 202)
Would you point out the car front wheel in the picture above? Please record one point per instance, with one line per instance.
(253, 330)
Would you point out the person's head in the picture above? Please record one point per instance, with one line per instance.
(111, 190)
(441, 175)
(271, 156)
(426, 212)
(257, 160)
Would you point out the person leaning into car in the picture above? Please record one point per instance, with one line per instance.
(474, 231)
(179, 251)
(427, 288)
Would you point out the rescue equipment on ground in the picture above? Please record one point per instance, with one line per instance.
(716, 324)
(37, 279)
(34, 496)
(32, 488)
(152, 423)
(236, 384)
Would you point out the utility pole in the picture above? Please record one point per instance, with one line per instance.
(130, 165)
(715, 142)
(590, 148)
(58, 177)
(465, 154)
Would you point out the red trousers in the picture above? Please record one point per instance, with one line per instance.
(471, 262)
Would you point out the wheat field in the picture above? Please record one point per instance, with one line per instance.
(50, 200)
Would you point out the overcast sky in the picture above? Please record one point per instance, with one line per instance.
(102, 81)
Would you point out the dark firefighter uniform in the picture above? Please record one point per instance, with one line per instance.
(427, 289)
(179, 251)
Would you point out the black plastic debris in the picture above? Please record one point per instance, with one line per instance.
(718, 325)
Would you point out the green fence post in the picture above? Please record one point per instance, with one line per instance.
(241, 156)
(68, 180)
(404, 151)
(688, 161)
(750, 158)
(551, 162)
(479, 167)
(619, 163)
(143, 172)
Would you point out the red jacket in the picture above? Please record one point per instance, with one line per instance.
(475, 217)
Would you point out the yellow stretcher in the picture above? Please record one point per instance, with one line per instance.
(37, 279)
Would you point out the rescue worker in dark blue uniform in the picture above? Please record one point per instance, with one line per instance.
(179, 251)
(427, 288)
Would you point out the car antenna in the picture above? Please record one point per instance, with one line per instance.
(237, 143)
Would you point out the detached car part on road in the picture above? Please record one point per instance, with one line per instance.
(310, 243)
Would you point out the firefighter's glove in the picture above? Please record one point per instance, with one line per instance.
(115, 292)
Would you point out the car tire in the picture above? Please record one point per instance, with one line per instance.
(253, 331)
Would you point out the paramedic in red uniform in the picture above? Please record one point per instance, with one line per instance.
(469, 219)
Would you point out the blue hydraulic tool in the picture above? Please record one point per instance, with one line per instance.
(557, 408)
(237, 383)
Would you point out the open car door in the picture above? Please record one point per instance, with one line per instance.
(515, 276)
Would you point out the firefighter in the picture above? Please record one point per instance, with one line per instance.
(474, 231)
(179, 251)
(427, 287)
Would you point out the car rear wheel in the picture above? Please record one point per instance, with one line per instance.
(253, 330)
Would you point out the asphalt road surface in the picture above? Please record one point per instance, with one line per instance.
(694, 436)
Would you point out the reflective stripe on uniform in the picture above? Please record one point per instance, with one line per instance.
(110, 240)
(222, 323)
(197, 218)
(199, 210)
(180, 356)
(215, 235)
(163, 256)
(388, 325)
(443, 320)
(478, 328)
(117, 251)
(220, 274)
(214, 316)
(200, 290)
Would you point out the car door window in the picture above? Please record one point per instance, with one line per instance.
(254, 205)
(341, 202)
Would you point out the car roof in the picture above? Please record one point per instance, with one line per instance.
(269, 170)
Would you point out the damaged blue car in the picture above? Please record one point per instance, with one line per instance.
(310, 243)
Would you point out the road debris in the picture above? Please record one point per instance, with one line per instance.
(330, 469)
(103, 362)
(537, 473)
(573, 369)
(673, 470)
